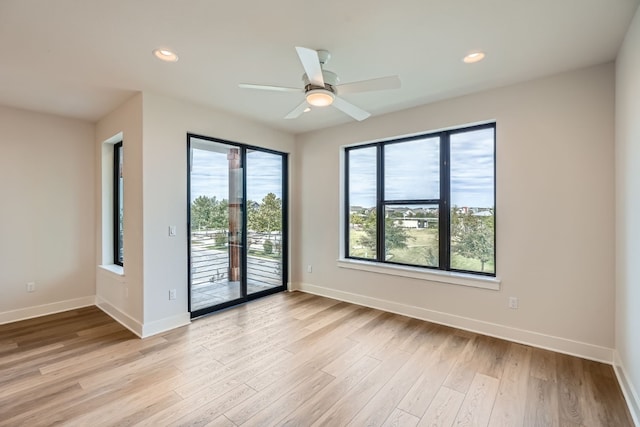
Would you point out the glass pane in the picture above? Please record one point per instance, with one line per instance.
(412, 170)
(264, 216)
(120, 202)
(472, 201)
(411, 234)
(362, 202)
(216, 224)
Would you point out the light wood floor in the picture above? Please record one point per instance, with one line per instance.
(292, 359)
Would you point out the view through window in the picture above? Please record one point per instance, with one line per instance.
(118, 206)
(238, 223)
(397, 191)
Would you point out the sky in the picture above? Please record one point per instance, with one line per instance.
(412, 171)
(210, 175)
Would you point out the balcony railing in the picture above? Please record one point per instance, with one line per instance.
(210, 267)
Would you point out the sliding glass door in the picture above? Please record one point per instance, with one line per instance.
(264, 220)
(237, 215)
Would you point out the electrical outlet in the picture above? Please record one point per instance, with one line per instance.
(309, 268)
(172, 231)
(31, 286)
(513, 303)
(172, 294)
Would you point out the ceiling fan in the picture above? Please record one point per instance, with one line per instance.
(322, 88)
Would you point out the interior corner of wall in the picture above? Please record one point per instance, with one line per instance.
(119, 316)
(628, 390)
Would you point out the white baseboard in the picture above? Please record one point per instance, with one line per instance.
(549, 342)
(166, 324)
(143, 330)
(45, 309)
(124, 319)
(629, 392)
(140, 329)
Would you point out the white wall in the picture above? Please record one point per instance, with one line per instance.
(121, 295)
(47, 216)
(555, 221)
(166, 124)
(627, 218)
(155, 189)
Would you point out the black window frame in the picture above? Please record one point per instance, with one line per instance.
(118, 238)
(444, 201)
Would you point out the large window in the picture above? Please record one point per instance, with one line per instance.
(118, 199)
(426, 201)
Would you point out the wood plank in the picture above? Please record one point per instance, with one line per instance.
(541, 403)
(543, 364)
(475, 410)
(384, 402)
(263, 399)
(603, 398)
(355, 399)
(438, 367)
(570, 389)
(213, 410)
(443, 409)
(319, 404)
(221, 421)
(272, 414)
(399, 418)
(509, 407)
(292, 359)
(462, 373)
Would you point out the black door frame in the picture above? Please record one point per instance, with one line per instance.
(245, 297)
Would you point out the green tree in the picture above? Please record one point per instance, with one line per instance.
(220, 214)
(356, 218)
(209, 213)
(369, 239)
(252, 213)
(201, 212)
(395, 237)
(472, 236)
(268, 216)
(431, 256)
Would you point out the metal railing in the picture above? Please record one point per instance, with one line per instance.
(210, 262)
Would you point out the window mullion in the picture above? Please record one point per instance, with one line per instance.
(380, 249)
(445, 204)
(347, 205)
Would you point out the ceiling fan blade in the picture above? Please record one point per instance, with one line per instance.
(348, 108)
(382, 83)
(311, 64)
(297, 112)
(265, 87)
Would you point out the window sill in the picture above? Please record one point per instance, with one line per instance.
(113, 268)
(484, 282)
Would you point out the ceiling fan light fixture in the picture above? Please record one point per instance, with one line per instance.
(320, 97)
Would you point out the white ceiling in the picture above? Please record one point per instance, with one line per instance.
(82, 58)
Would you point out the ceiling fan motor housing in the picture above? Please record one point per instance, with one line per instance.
(330, 81)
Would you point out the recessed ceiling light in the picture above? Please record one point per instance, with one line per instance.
(165, 55)
(473, 57)
(306, 110)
